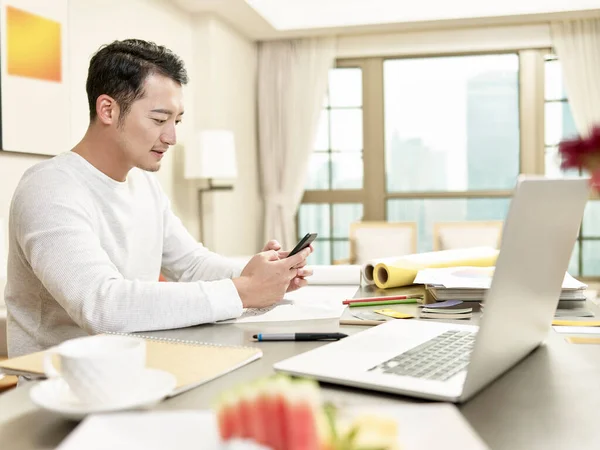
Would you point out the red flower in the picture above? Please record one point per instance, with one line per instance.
(583, 153)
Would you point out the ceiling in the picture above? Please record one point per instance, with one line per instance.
(273, 19)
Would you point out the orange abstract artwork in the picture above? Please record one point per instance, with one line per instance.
(33, 45)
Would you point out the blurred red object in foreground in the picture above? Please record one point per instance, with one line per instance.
(583, 153)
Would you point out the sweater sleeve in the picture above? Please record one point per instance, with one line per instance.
(184, 259)
(56, 235)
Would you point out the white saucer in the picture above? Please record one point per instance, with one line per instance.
(56, 396)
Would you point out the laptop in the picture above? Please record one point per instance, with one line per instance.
(452, 362)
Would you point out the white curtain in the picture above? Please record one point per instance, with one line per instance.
(577, 45)
(292, 82)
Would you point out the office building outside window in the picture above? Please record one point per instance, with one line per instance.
(451, 139)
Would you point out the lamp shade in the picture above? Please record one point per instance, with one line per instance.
(213, 156)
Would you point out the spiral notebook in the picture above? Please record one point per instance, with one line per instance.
(192, 363)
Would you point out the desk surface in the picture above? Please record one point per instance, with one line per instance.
(548, 401)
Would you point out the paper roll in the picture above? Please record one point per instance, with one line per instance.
(340, 275)
(402, 271)
(368, 270)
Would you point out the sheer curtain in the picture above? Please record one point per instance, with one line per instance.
(577, 45)
(292, 82)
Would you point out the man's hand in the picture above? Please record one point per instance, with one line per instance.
(266, 278)
(299, 281)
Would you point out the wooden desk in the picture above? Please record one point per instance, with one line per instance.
(548, 401)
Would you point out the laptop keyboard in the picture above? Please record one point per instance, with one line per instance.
(439, 358)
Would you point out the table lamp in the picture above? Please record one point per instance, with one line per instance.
(212, 159)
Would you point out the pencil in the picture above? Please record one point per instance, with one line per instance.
(383, 302)
(367, 323)
(381, 299)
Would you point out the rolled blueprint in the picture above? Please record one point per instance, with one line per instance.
(367, 270)
(402, 271)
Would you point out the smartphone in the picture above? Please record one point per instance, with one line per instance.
(303, 243)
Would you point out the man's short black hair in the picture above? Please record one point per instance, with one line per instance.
(119, 70)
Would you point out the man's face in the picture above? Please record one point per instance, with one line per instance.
(149, 127)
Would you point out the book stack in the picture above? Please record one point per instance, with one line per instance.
(471, 283)
(449, 310)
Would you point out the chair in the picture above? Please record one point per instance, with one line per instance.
(451, 235)
(379, 239)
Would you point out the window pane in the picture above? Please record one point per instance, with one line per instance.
(322, 253)
(554, 86)
(552, 165)
(346, 129)
(322, 139)
(314, 219)
(318, 171)
(427, 212)
(559, 122)
(590, 262)
(574, 262)
(591, 220)
(347, 170)
(452, 123)
(341, 251)
(343, 216)
(345, 87)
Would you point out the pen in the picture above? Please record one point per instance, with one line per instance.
(383, 302)
(368, 323)
(376, 299)
(299, 336)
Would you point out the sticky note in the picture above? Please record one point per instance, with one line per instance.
(583, 340)
(393, 313)
(576, 323)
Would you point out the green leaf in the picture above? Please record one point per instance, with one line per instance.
(330, 413)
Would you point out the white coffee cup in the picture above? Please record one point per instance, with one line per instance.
(102, 369)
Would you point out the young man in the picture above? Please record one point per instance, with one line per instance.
(91, 230)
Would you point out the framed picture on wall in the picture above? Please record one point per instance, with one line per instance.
(34, 90)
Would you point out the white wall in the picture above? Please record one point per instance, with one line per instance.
(225, 70)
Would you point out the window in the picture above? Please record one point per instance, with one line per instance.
(559, 125)
(437, 139)
(451, 127)
(336, 165)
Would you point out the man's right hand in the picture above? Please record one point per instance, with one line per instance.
(265, 278)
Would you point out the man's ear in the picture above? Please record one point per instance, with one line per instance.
(107, 109)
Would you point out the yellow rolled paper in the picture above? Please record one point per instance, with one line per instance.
(403, 271)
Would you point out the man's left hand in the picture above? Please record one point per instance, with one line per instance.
(298, 281)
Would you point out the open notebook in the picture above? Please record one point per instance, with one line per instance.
(192, 363)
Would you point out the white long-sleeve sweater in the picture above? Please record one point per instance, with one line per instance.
(85, 253)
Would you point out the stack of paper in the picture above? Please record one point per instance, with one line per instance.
(451, 309)
(471, 283)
